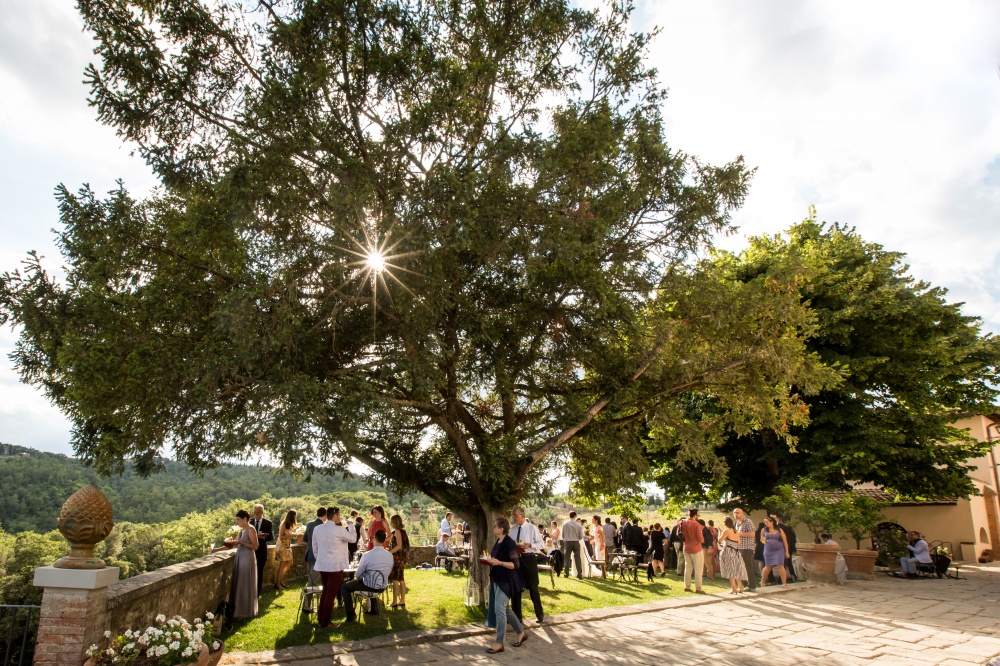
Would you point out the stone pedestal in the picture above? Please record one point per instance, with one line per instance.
(74, 612)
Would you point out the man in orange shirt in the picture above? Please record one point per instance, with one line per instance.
(694, 556)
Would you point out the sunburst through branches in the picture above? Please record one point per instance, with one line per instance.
(377, 260)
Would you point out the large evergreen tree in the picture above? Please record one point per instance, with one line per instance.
(444, 239)
(911, 362)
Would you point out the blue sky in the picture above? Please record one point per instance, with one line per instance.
(886, 116)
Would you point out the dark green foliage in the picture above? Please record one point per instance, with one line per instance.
(34, 485)
(508, 157)
(911, 365)
(137, 548)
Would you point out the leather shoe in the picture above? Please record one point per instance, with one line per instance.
(490, 650)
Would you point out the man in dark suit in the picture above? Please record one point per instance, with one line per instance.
(265, 533)
(636, 540)
(314, 577)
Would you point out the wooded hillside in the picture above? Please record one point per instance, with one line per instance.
(34, 485)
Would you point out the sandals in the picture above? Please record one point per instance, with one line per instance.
(490, 650)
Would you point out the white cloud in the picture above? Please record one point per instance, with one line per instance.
(884, 115)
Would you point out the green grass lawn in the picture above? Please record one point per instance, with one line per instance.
(435, 600)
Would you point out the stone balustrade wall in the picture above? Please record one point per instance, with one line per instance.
(188, 589)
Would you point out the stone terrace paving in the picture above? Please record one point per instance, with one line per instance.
(886, 621)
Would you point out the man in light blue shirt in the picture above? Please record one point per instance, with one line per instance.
(443, 547)
(376, 561)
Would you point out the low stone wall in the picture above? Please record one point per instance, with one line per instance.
(420, 555)
(188, 589)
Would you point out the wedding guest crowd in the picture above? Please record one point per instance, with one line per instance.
(694, 547)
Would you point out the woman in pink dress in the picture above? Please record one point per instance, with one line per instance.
(598, 540)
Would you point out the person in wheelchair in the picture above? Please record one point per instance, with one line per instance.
(372, 574)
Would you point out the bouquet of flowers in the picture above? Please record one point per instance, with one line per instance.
(943, 552)
(169, 642)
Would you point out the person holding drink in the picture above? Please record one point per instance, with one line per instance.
(504, 562)
(243, 588)
(744, 528)
(775, 551)
(529, 545)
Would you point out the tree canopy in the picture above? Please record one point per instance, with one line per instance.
(911, 363)
(444, 239)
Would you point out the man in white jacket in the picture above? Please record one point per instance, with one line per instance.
(329, 544)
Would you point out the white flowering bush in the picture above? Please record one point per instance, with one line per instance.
(169, 642)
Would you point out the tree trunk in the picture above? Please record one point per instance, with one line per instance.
(769, 441)
(480, 522)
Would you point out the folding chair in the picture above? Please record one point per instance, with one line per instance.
(594, 564)
(311, 592)
(543, 568)
(377, 595)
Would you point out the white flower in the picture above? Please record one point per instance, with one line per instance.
(187, 652)
(130, 646)
(161, 618)
(92, 650)
(107, 634)
(177, 634)
(216, 645)
(175, 645)
(210, 616)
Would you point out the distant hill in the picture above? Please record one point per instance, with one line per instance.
(34, 485)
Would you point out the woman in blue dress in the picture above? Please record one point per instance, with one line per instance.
(775, 551)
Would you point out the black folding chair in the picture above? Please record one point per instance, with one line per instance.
(376, 595)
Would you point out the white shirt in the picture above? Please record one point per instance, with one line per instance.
(445, 527)
(920, 551)
(376, 559)
(329, 544)
(527, 533)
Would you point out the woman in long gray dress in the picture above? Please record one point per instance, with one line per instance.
(243, 592)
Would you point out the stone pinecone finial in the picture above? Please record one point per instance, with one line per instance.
(85, 521)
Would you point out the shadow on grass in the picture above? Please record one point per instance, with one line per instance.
(434, 601)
